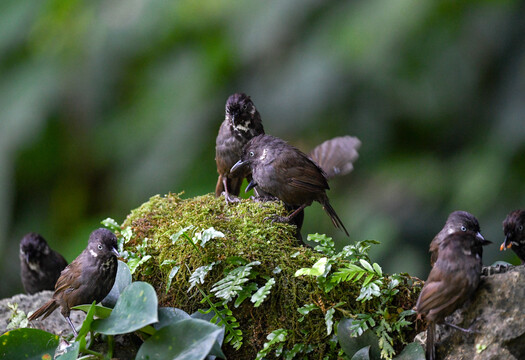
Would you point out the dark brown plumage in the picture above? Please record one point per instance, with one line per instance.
(241, 123)
(88, 278)
(457, 221)
(285, 172)
(453, 279)
(40, 266)
(513, 228)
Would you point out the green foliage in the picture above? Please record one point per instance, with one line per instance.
(229, 286)
(32, 344)
(188, 339)
(139, 299)
(275, 343)
(18, 318)
(374, 287)
(262, 293)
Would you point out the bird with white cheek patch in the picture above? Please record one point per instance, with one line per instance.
(88, 278)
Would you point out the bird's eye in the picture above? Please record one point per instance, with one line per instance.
(99, 246)
(244, 107)
(251, 153)
(520, 228)
(463, 228)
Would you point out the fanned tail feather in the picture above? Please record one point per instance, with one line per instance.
(45, 310)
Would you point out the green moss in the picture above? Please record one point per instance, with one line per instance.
(250, 235)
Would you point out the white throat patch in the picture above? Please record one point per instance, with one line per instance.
(263, 156)
(244, 127)
(94, 254)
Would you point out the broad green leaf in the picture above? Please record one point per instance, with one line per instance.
(101, 312)
(362, 354)
(352, 345)
(189, 339)
(122, 280)
(86, 325)
(413, 351)
(136, 307)
(317, 269)
(170, 315)
(25, 343)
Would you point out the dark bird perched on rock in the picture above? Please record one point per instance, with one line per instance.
(453, 279)
(457, 221)
(241, 123)
(285, 172)
(40, 266)
(514, 234)
(88, 278)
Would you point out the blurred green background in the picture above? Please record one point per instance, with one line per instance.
(106, 103)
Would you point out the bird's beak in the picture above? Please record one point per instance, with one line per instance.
(115, 251)
(504, 245)
(480, 237)
(238, 165)
(250, 186)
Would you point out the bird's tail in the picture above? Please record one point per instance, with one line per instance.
(431, 350)
(45, 310)
(333, 215)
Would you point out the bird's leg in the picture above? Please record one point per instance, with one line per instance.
(229, 198)
(286, 219)
(468, 331)
(72, 326)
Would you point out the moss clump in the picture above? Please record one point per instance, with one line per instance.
(248, 234)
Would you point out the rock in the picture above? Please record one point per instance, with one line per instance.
(55, 323)
(496, 315)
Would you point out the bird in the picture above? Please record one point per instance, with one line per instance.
(285, 172)
(40, 266)
(88, 278)
(514, 234)
(452, 280)
(457, 221)
(241, 123)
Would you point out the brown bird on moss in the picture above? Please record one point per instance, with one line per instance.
(514, 234)
(457, 221)
(40, 266)
(241, 123)
(453, 279)
(285, 172)
(88, 278)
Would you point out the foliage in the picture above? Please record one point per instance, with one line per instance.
(246, 260)
(375, 288)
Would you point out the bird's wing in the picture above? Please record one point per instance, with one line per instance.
(336, 156)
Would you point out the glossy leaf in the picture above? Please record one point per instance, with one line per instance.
(351, 345)
(189, 339)
(122, 280)
(413, 351)
(135, 308)
(29, 344)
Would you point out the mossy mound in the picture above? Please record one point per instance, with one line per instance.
(248, 234)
